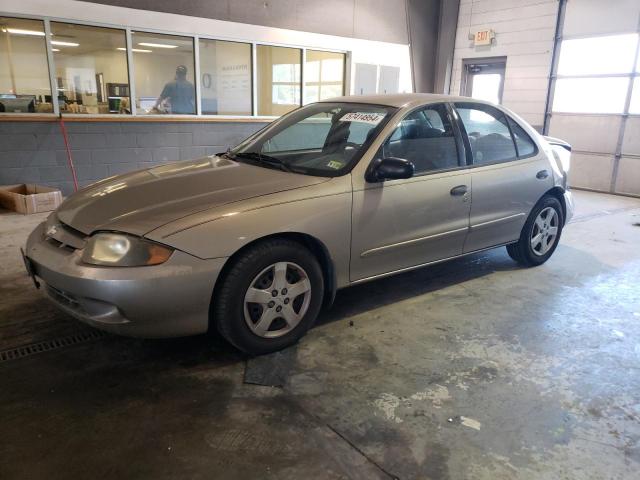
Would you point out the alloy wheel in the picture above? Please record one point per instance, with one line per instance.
(277, 300)
(544, 231)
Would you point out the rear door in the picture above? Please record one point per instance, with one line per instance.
(508, 176)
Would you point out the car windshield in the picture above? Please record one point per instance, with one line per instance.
(324, 139)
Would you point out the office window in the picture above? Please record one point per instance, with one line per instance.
(598, 55)
(278, 78)
(488, 134)
(164, 74)
(225, 77)
(323, 75)
(590, 95)
(24, 70)
(91, 69)
(425, 138)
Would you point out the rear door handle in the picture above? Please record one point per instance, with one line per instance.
(542, 174)
(458, 191)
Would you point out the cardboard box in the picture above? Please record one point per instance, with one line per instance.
(30, 198)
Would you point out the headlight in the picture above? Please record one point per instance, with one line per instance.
(120, 250)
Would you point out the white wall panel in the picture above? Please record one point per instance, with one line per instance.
(631, 143)
(589, 17)
(591, 171)
(628, 180)
(587, 133)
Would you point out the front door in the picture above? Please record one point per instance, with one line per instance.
(399, 224)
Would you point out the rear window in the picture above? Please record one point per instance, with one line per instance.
(526, 146)
(488, 133)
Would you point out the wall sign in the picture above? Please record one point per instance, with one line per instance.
(483, 37)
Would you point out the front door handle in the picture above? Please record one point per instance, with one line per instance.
(458, 191)
(542, 174)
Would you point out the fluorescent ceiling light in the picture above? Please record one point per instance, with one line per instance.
(64, 44)
(20, 31)
(55, 49)
(157, 45)
(137, 50)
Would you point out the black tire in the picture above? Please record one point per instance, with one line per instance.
(522, 251)
(229, 302)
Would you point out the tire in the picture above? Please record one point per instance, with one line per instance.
(530, 252)
(259, 321)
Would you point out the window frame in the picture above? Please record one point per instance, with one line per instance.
(320, 83)
(491, 111)
(457, 135)
(195, 37)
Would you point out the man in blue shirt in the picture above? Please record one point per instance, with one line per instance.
(180, 93)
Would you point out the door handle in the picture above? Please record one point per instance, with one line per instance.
(458, 191)
(542, 174)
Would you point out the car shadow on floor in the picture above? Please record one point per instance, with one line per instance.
(385, 291)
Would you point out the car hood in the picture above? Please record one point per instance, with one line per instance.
(141, 201)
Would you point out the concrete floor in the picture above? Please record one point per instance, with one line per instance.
(474, 369)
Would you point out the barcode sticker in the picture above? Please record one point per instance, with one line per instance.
(363, 117)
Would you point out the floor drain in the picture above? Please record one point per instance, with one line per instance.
(49, 345)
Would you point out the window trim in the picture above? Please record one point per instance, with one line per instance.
(195, 37)
(456, 135)
(467, 143)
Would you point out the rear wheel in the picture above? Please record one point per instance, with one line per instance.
(540, 234)
(270, 297)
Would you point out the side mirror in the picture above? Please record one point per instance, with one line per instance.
(390, 168)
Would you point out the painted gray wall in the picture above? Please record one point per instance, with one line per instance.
(34, 152)
(383, 20)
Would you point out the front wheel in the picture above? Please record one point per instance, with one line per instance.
(270, 297)
(540, 234)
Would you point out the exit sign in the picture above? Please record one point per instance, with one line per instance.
(483, 37)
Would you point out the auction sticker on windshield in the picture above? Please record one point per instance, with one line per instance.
(363, 117)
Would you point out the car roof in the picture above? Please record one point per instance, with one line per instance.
(400, 100)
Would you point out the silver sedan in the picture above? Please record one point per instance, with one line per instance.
(254, 241)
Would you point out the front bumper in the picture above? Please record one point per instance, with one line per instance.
(167, 300)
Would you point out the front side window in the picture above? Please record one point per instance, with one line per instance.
(488, 133)
(164, 71)
(24, 71)
(324, 139)
(424, 137)
(91, 69)
(225, 77)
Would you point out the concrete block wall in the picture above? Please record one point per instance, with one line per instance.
(34, 152)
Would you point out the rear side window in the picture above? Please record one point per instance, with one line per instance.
(526, 146)
(424, 137)
(488, 133)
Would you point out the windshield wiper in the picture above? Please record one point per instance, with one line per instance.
(260, 157)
